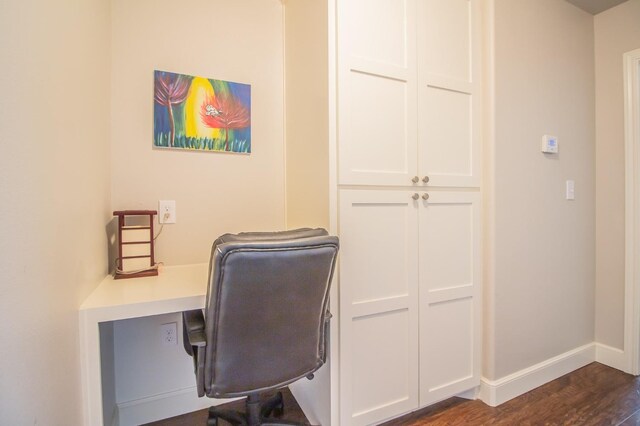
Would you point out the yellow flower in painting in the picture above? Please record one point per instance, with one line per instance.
(201, 90)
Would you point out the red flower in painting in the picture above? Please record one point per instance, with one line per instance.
(224, 112)
(171, 89)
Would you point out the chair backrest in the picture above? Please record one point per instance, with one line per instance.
(266, 309)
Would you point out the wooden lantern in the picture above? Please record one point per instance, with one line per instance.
(135, 245)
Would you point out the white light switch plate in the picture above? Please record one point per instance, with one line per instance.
(571, 190)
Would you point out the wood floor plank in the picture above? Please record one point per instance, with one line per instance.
(594, 395)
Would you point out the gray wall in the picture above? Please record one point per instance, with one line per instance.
(542, 247)
(617, 31)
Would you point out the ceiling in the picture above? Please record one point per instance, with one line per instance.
(595, 6)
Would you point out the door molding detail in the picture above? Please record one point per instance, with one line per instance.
(632, 211)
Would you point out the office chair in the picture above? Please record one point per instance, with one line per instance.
(265, 321)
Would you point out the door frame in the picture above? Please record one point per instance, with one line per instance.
(632, 211)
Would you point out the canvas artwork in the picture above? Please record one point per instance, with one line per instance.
(203, 114)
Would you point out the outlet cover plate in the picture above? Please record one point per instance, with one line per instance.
(167, 211)
(169, 334)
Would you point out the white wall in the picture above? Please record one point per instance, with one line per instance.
(307, 113)
(241, 41)
(153, 381)
(542, 286)
(238, 41)
(177, 371)
(54, 187)
(307, 153)
(617, 31)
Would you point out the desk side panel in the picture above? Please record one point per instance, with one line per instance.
(90, 365)
(108, 377)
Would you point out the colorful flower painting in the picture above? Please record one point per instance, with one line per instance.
(203, 114)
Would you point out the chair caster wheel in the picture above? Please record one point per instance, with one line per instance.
(278, 410)
(212, 422)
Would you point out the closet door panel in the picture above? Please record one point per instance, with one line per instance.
(366, 18)
(377, 92)
(448, 74)
(451, 19)
(377, 127)
(381, 370)
(450, 273)
(447, 128)
(447, 222)
(378, 305)
(448, 353)
(381, 232)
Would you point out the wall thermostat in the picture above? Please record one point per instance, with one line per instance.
(550, 144)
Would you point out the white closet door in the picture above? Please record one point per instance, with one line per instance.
(448, 70)
(450, 306)
(378, 305)
(377, 92)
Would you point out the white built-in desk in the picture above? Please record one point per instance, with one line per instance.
(175, 289)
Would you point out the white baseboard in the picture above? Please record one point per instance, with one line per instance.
(611, 357)
(162, 406)
(495, 392)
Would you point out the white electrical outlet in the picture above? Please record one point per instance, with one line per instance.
(167, 211)
(169, 334)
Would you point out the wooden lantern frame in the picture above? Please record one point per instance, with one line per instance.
(122, 226)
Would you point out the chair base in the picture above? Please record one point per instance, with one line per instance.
(256, 413)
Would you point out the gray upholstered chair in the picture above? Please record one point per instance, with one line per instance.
(266, 318)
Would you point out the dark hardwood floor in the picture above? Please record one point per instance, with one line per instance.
(292, 411)
(592, 395)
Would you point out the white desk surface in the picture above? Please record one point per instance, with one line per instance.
(174, 285)
(175, 289)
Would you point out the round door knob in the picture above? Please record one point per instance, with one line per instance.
(425, 179)
(415, 179)
(425, 196)
(415, 196)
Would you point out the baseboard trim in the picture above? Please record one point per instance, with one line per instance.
(610, 356)
(164, 405)
(496, 392)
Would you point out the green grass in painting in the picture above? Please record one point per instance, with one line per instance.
(202, 144)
